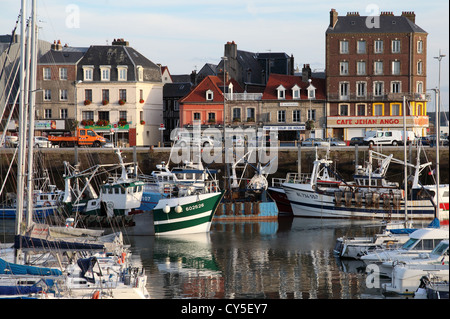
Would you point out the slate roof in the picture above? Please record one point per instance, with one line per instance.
(388, 24)
(176, 90)
(115, 55)
(288, 82)
(68, 55)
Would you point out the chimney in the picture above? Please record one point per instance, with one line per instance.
(120, 41)
(333, 18)
(194, 78)
(353, 14)
(410, 15)
(306, 73)
(56, 46)
(387, 13)
(231, 50)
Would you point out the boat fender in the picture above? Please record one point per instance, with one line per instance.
(178, 209)
(166, 209)
(96, 295)
(389, 243)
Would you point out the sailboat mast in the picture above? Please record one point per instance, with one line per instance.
(438, 137)
(32, 98)
(22, 124)
(405, 168)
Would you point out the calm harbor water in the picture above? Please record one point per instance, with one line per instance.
(291, 258)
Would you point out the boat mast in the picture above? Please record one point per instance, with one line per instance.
(405, 168)
(22, 127)
(438, 135)
(32, 98)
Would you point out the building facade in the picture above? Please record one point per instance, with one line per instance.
(120, 91)
(372, 63)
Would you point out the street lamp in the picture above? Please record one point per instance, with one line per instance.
(438, 105)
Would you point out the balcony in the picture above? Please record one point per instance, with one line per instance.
(243, 96)
(353, 97)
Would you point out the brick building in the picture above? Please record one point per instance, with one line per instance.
(371, 64)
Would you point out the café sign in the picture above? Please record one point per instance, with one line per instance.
(382, 121)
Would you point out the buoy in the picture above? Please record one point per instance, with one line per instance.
(178, 209)
(96, 294)
(166, 209)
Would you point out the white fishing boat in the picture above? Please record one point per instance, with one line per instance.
(422, 241)
(369, 196)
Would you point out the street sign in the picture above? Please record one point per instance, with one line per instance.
(161, 127)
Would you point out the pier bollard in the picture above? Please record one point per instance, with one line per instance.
(229, 209)
(248, 208)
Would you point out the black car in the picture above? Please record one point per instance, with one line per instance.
(356, 141)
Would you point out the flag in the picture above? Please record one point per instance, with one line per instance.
(431, 173)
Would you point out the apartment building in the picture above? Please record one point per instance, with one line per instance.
(372, 63)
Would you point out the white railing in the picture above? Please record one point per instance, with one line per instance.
(243, 96)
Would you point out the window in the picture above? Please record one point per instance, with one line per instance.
(48, 113)
(343, 90)
(312, 115)
(296, 116)
(378, 88)
(378, 67)
(419, 46)
(236, 114)
(123, 115)
(88, 72)
(361, 67)
(88, 95)
(395, 46)
(141, 94)
(122, 72)
(419, 67)
(419, 87)
(343, 68)
(63, 73)
(63, 95)
(361, 88)
(47, 95)
(140, 70)
(63, 114)
(343, 47)
(87, 115)
(395, 109)
(47, 73)
(360, 109)
(176, 105)
(250, 114)
(212, 117)
(361, 46)
(197, 116)
(105, 95)
(396, 87)
(105, 73)
(123, 94)
(378, 109)
(311, 92)
(295, 92)
(103, 115)
(209, 95)
(281, 116)
(281, 92)
(395, 67)
(378, 47)
(343, 110)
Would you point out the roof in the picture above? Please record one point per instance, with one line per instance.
(387, 24)
(68, 55)
(176, 90)
(288, 82)
(213, 83)
(115, 55)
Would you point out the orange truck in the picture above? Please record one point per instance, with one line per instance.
(84, 137)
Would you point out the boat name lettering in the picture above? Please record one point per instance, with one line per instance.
(197, 206)
(313, 196)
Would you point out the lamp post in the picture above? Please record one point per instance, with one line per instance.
(438, 105)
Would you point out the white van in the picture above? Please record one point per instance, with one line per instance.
(388, 138)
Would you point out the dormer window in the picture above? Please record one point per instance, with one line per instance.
(88, 71)
(281, 92)
(296, 92)
(140, 71)
(209, 95)
(105, 72)
(311, 91)
(122, 72)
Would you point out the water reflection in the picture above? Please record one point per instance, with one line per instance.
(291, 259)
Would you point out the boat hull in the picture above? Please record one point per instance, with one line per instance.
(196, 214)
(306, 202)
(39, 213)
(279, 196)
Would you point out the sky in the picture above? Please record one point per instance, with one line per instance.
(184, 35)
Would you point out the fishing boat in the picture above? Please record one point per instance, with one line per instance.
(368, 196)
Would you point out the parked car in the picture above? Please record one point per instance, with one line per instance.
(424, 140)
(336, 142)
(9, 141)
(41, 141)
(315, 142)
(356, 141)
(108, 143)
